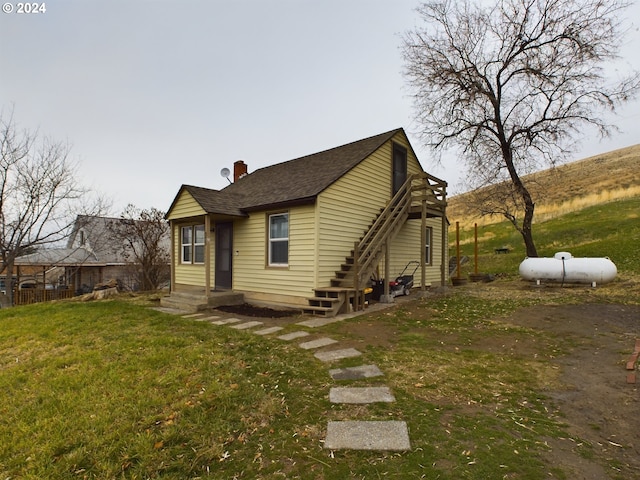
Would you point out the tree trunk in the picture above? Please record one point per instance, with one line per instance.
(9, 281)
(529, 205)
(527, 234)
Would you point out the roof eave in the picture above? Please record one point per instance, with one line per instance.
(288, 203)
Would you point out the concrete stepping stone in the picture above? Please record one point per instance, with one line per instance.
(193, 315)
(293, 335)
(319, 322)
(246, 325)
(320, 342)
(226, 321)
(367, 435)
(361, 395)
(268, 331)
(332, 355)
(355, 373)
(207, 319)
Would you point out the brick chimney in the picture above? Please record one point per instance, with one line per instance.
(239, 170)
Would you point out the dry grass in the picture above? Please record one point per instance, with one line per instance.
(595, 180)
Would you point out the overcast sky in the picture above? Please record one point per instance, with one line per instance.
(155, 94)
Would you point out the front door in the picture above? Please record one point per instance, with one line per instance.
(224, 256)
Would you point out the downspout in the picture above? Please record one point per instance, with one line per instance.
(207, 256)
(172, 227)
(423, 239)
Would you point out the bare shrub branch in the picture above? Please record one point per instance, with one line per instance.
(39, 193)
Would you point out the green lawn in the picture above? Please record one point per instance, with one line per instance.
(607, 230)
(115, 390)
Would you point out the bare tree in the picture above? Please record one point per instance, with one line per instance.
(145, 237)
(511, 85)
(39, 194)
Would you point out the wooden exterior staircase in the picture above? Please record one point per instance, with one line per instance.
(421, 193)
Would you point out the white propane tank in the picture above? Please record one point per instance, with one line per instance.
(565, 268)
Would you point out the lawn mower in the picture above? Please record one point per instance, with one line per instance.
(404, 282)
(400, 286)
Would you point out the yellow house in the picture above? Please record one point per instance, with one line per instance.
(312, 231)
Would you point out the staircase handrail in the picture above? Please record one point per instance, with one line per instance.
(394, 213)
(435, 188)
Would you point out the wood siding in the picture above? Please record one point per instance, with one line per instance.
(185, 274)
(406, 248)
(350, 205)
(321, 235)
(185, 207)
(251, 272)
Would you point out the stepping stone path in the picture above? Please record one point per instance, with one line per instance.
(388, 435)
(226, 321)
(360, 395)
(332, 355)
(352, 435)
(246, 325)
(355, 373)
(321, 342)
(294, 335)
(268, 331)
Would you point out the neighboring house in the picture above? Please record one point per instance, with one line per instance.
(311, 232)
(93, 255)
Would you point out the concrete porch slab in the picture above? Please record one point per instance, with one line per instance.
(367, 435)
(355, 373)
(361, 395)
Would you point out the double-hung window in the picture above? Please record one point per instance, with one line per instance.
(278, 248)
(192, 242)
(428, 247)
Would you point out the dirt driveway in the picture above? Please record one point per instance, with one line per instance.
(598, 404)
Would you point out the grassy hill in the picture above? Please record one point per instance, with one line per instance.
(590, 208)
(588, 232)
(570, 187)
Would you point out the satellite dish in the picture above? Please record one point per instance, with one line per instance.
(225, 172)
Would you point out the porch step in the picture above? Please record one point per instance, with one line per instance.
(342, 283)
(186, 302)
(323, 311)
(197, 301)
(329, 301)
(323, 301)
(344, 280)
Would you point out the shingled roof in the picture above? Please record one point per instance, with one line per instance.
(295, 181)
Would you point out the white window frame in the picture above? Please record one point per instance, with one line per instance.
(193, 247)
(428, 253)
(186, 246)
(199, 246)
(271, 240)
